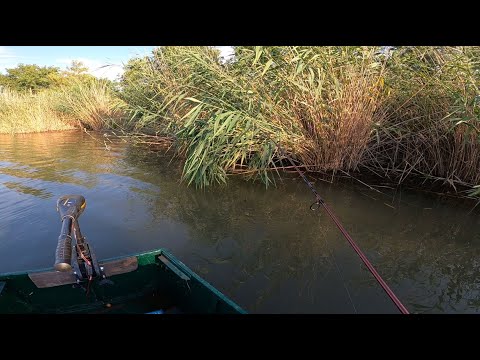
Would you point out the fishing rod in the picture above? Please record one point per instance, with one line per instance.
(320, 202)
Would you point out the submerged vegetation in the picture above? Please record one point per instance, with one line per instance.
(401, 114)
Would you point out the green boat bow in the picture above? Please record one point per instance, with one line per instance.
(150, 282)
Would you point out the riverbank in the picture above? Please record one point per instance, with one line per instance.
(406, 116)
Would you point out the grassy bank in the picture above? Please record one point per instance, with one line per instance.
(23, 113)
(408, 114)
(90, 104)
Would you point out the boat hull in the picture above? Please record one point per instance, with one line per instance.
(149, 282)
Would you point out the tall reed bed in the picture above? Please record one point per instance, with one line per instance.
(22, 113)
(431, 128)
(89, 104)
(408, 114)
(229, 118)
(92, 103)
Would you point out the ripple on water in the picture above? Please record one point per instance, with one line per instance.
(262, 247)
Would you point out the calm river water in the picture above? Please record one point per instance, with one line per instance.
(262, 247)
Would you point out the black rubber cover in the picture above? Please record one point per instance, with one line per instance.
(63, 254)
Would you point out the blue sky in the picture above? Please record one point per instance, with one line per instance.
(102, 61)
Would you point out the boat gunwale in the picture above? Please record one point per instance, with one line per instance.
(156, 252)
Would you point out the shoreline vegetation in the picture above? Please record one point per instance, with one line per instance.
(400, 115)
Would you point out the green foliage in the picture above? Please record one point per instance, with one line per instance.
(76, 72)
(91, 102)
(134, 87)
(34, 78)
(77, 68)
(229, 117)
(30, 77)
(182, 92)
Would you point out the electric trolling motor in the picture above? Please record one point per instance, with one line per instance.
(80, 257)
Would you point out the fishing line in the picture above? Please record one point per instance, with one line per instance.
(319, 201)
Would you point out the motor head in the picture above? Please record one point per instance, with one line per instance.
(71, 206)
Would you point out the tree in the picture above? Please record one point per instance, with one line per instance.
(77, 68)
(30, 77)
(76, 72)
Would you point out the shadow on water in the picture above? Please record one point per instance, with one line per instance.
(262, 247)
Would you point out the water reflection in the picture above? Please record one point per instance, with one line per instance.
(24, 189)
(262, 247)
